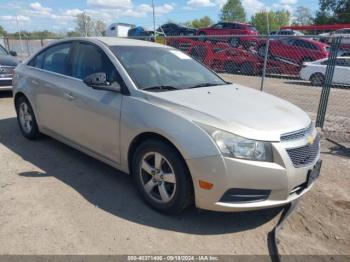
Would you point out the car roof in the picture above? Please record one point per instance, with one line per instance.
(117, 41)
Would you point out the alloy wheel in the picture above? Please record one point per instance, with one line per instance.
(25, 117)
(157, 177)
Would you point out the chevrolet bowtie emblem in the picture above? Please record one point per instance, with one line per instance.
(310, 140)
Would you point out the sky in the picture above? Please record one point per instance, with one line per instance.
(59, 15)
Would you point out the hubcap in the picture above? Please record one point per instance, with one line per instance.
(25, 117)
(158, 177)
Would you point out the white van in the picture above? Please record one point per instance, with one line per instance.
(119, 29)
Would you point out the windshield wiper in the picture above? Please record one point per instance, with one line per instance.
(203, 85)
(165, 88)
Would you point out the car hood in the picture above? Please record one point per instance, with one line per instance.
(237, 109)
(8, 60)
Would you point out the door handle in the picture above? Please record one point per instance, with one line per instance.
(69, 96)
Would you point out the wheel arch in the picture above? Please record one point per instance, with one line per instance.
(140, 138)
(315, 74)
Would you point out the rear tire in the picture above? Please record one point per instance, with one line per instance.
(170, 193)
(317, 79)
(26, 119)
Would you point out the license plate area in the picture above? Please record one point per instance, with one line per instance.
(314, 173)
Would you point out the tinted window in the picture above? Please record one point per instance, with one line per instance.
(289, 41)
(3, 51)
(228, 26)
(37, 61)
(55, 59)
(343, 62)
(304, 44)
(218, 26)
(236, 26)
(285, 33)
(91, 59)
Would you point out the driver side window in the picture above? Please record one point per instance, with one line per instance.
(90, 59)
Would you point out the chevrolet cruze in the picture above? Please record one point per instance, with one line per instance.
(183, 133)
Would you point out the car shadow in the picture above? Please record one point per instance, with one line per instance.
(336, 148)
(113, 191)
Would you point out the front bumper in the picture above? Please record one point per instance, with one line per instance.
(284, 182)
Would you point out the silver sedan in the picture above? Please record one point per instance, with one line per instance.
(183, 133)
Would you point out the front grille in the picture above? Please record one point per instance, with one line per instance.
(304, 155)
(6, 70)
(297, 134)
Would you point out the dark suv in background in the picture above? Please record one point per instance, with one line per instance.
(8, 62)
(241, 33)
(172, 29)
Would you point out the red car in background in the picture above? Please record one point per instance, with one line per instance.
(297, 49)
(248, 62)
(240, 32)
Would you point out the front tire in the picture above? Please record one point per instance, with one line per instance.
(162, 177)
(26, 119)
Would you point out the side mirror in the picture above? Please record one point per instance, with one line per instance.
(13, 53)
(99, 81)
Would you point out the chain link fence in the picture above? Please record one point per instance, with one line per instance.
(293, 68)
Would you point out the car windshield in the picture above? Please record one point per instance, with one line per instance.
(3, 51)
(165, 68)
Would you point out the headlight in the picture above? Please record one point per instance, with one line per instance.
(238, 147)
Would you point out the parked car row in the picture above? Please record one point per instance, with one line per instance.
(305, 59)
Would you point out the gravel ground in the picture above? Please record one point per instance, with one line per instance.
(56, 200)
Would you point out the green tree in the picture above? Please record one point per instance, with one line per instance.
(303, 16)
(85, 25)
(205, 21)
(2, 31)
(233, 11)
(276, 20)
(100, 28)
(333, 11)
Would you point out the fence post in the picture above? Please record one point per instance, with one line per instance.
(28, 49)
(266, 51)
(322, 106)
(265, 63)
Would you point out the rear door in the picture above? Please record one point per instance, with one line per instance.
(50, 78)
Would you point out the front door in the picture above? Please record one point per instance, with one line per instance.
(93, 115)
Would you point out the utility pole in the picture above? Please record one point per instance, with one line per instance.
(154, 18)
(19, 33)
